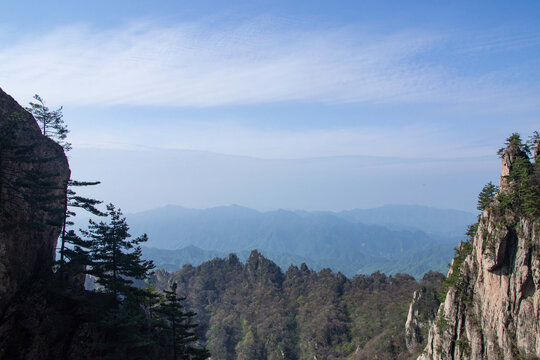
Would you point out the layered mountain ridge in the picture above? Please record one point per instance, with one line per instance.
(390, 239)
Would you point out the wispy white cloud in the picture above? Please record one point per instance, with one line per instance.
(410, 141)
(500, 41)
(204, 64)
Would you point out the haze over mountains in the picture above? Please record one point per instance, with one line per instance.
(151, 178)
(391, 239)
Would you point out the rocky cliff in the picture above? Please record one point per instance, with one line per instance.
(33, 175)
(40, 317)
(46, 315)
(491, 307)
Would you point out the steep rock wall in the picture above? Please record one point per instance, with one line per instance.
(491, 309)
(33, 175)
(45, 315)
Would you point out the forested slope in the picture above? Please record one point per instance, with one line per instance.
(255, 311)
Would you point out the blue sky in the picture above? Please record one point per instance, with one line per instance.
(425, 82)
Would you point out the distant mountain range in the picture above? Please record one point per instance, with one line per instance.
(438, 223)
(391, 239)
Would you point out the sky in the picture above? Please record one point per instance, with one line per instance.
(317, 105)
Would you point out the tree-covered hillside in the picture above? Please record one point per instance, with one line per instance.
(255, 311)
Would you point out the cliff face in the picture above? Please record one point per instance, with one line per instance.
(40, 318)
(33, 176)
(46, 315)
(491, 309)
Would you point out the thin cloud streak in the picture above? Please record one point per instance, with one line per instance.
(201, 65)
(411, 141)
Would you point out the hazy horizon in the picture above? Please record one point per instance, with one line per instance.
(154, 178)
(264, 210)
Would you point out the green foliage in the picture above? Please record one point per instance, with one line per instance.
(127, 331)
(524, 195)
(52, 125)
(454, 277)
(178, 325)
(135, 316)
(254, 311)
(486, 196)
(113, 324)
(67, 238)
(464, 346)
(515, 141)
(427, 304)
(50, 121)
(248, 348)
(442, 324)
(471, 231)
(533, 141)
(114, 259)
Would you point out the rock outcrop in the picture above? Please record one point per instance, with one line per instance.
(33, 176)
(47, 315)
(422, 311)
(41, 316)
(492, 306)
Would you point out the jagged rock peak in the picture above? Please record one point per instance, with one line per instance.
(232, 259)
(260, 267)
(255, 257)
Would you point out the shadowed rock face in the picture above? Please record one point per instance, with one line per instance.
(43, 315)
(493, 312)
(33, 175)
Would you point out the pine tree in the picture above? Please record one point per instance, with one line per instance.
(486, 195)
(73, 200)
(151, 298)
(52, 125)
(127, 331)
(179, 326)
(114, 259)
(77, 253)
(532, 143)
(525, 177)
(51, 121)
